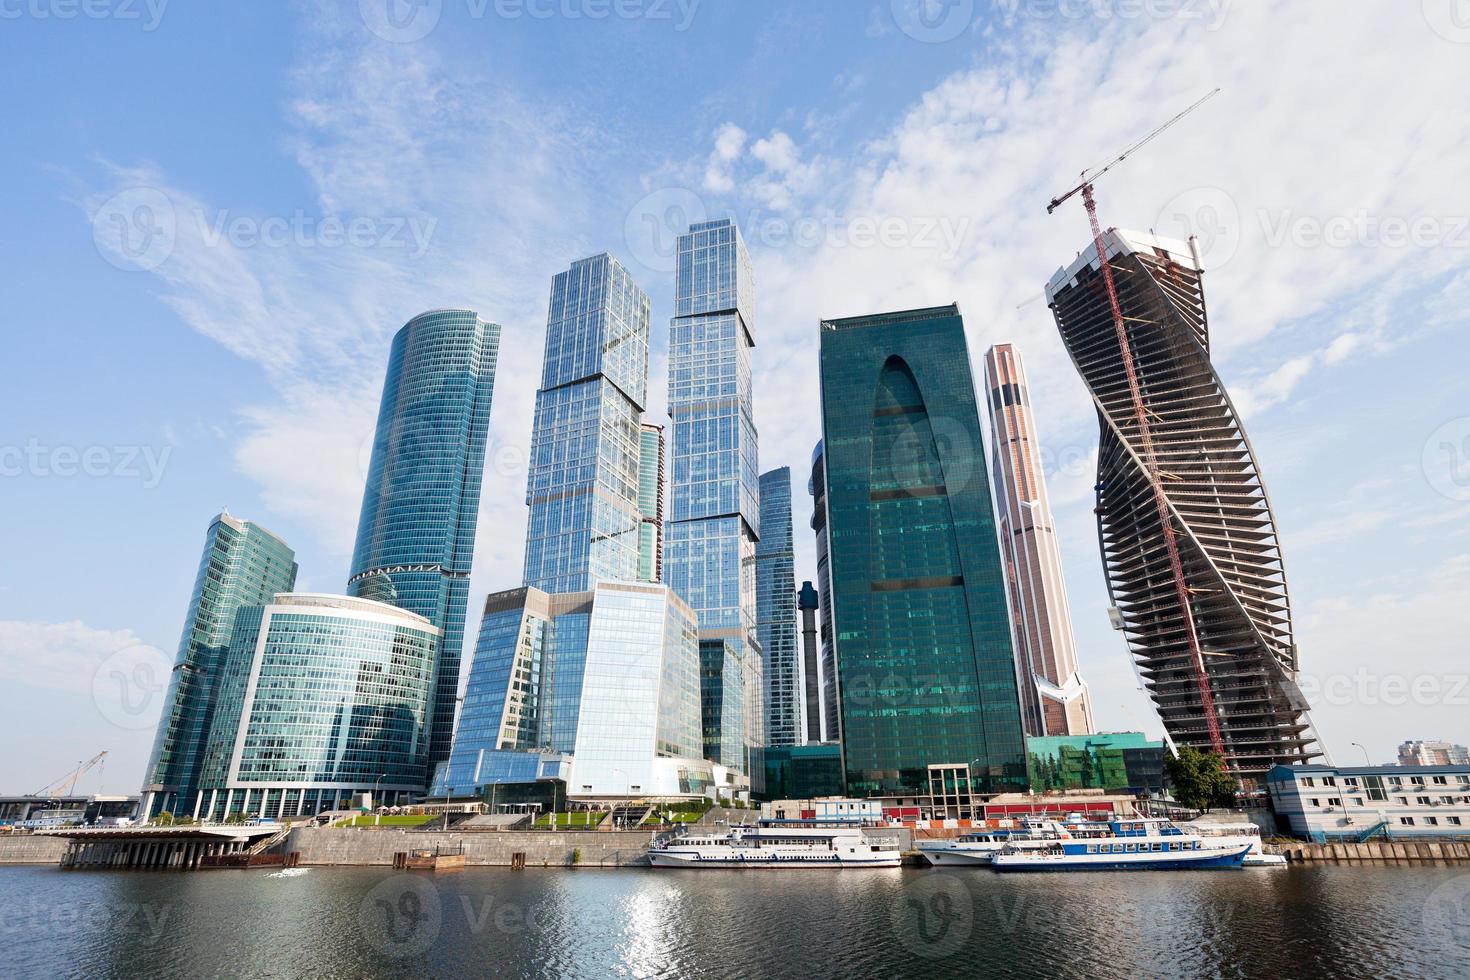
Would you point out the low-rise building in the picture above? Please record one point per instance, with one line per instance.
(1348, 803)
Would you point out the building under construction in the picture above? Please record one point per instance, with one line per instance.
(1181, 508)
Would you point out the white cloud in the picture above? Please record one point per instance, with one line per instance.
(64, 656)
(729, 142)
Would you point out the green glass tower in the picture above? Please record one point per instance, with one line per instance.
(243, 565)
(921, 629)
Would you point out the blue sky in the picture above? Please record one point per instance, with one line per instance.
(312, 178)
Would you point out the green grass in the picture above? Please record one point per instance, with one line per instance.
(581, 818)
(685, 817)
(392, 820)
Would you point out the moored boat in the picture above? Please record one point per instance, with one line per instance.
(1132, 845)
(777, 844)
(978, 847)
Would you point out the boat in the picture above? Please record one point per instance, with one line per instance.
(1243, 831)
(1143, 844)
(778, 844)
(978, 847)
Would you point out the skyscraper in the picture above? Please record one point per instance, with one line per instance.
(709, 554)
(831, 710)
(775, 601)
(583, 485)
(923, 641)
(321, 697)
(243, 565)
(1054, 698)
(1189, 542)
(808, 602)
(416, 537)
(589, 672)
(651, 503)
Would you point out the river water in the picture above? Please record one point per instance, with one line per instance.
(359, 922)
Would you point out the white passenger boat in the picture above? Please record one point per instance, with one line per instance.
(1132, 845)
(1242, 831)
(778, 844)
(978, 847)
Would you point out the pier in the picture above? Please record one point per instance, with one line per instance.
(170, 848)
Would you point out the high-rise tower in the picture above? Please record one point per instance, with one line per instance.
(807, 601)
(831, 712)
(709, 556)
(416, 537)
(923, 640)
(1054, 698)
(583, 485)
(651, 502)
(243, 565)
(1183, 468)
(775, 601)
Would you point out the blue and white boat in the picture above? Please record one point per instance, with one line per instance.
(980, 846)
(1130, 845)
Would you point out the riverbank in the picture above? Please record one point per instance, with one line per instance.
(370, 847)
(1375, 852)
(28, 849)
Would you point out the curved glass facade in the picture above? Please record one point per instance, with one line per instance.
(416, 537)
(922, 635)
(321, 696)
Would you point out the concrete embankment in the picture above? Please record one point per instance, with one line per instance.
(1376, 852)
(368, 846)
(25, 849)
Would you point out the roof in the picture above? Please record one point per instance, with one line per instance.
(888, 319)
(1120, 241)
(1281, 773)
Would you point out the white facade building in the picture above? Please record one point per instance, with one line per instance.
(1327, 803)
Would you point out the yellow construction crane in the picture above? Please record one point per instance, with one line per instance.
(70, 779)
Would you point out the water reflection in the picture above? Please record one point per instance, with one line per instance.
(1342, 921)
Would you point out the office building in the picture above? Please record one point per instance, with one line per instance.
(831, 716)
(651, 503)
(775, 601)
(1360, 803)
(709, 556)
(1189, 543)
(1054, 698)
(416, 536)
(1107, 761)
(1433, 754)
(583, 486)
(598, 688)
(923, 642)
(243, 565)
(321, 697)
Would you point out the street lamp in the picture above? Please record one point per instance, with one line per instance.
(378, 817)
(1366, 760)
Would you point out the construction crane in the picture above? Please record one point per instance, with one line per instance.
(70, 779)
(1141, 418)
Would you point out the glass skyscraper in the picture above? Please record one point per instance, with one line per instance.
(711, 536)
(416, 537)
(321, 697)
(243, 565)
(651, 503)
(775, 602)
(923, 638)
(584, 482)
(831, 712)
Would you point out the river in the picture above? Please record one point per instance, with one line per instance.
(359, 922)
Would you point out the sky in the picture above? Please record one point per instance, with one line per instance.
(222, 213)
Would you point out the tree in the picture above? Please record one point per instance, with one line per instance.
(164, 819)
(1199, 779)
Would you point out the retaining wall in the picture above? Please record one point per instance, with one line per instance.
(366, 846)
(1416, 852)
(26, 849)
